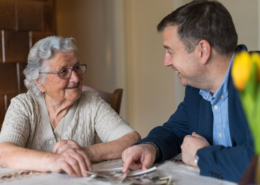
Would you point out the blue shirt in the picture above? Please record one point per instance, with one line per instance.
(219, 105)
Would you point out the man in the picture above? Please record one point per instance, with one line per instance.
(209, 127)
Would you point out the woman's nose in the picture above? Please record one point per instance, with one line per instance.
(74, 77)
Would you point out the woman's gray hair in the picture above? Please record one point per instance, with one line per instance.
(42, 50)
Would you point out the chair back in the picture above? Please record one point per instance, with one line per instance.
(114, 99)
(11, 80)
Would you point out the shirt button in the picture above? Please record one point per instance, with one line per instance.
(219, 135)
(51, 142)
(222, 97)
(216, 107)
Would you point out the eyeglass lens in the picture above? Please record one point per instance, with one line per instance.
(66, 73)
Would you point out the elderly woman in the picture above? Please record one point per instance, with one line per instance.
(52, 127)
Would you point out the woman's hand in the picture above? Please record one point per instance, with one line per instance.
(73, 161)
(64, 145)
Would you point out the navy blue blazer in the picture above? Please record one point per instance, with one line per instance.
(194, 114)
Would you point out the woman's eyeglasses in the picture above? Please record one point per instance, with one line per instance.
(66, 72)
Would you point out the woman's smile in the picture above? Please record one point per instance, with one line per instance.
(73, 87)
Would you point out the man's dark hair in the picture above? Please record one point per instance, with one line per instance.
(203, 20)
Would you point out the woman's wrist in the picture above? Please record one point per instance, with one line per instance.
(49, 161)
(88, 152)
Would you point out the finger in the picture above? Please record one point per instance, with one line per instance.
(75, 165)
(70, 144)
(73, 144)
(83, 161)
(85, 165)
(123, 156)
(129, 160)
(147, 162)
(58, 144)
(68, 169)
(56, 147)
(135, 166)
(62, 148)
(82, 164)
(144, 168)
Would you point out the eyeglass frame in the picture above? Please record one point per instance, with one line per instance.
(71, 69)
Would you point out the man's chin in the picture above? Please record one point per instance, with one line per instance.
(183, 82)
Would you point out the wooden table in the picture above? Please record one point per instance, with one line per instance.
(181, 175)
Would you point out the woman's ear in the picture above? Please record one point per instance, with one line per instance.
(39, 84)
(204, 48)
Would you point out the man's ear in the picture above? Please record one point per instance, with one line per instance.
(39, 84)
(204, 49)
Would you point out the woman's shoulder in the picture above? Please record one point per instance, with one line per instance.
(89, 95)
(90, 98)
(24, 98)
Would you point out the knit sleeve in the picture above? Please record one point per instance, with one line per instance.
(108, 124)
(16, 125)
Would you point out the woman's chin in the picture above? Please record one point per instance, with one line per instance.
(73, 96)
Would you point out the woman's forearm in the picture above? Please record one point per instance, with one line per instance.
(12, 156)
(73, 161)
(112, 149)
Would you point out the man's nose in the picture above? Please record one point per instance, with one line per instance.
(167, 61)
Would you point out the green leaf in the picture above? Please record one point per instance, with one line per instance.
(248, 95)
(250, 98)
(255, 128)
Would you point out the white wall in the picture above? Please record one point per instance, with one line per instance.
(98, 28)
(150, 84)
(245, 15)
(85, 20)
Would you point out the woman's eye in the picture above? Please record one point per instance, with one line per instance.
(63, 71)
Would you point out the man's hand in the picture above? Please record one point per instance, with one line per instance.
(191, 144)
(138, 156)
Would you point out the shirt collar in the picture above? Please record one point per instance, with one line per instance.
(222, 91)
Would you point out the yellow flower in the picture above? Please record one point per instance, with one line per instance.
(241, 69)
(256, 59)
